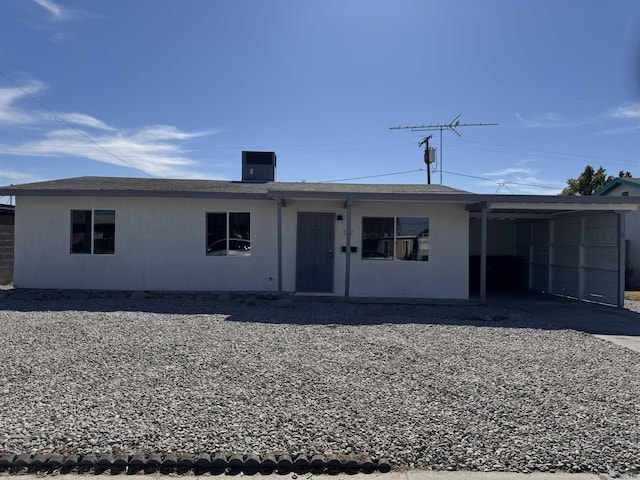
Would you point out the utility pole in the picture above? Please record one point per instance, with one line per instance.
(452, 125)
(427, 159)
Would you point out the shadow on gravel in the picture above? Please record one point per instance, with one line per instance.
(536, 311)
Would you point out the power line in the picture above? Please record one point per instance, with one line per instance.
(542, 153)
(502, 182)
(535, 150)
(62, 120)
(372, 176)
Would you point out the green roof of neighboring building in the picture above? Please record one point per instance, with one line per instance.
(632, 182)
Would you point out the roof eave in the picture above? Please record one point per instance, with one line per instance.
(541, 202)
(132, 193)
(397, 196)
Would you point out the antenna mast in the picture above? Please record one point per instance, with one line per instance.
(452, 125)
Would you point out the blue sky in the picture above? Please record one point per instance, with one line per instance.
(177, 89)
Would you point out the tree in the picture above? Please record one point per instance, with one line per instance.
(590, 181)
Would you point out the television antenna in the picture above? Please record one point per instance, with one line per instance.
(452, 125)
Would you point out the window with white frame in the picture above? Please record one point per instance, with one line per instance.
(395, 238)
(93, 231)
(228, 234)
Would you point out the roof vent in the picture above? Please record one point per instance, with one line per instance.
(258, 166)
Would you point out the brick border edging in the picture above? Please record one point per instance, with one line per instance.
(200, 463)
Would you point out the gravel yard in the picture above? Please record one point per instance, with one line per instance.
(437, 387)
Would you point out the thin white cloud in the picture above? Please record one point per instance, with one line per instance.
(9, 113)
(618, 130)
(552, 120)
(627, 111)
(55, 10)
(521, 186)
(80, 119)
(165, 132)
(533, 185)
(13, 175)
(61, 14)
(517, 180)
(509, 171)
(159, 158)
(157, 150)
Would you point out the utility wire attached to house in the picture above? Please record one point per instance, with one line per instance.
(503, 183)
(371, 176)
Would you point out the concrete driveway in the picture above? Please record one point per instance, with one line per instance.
(618, 325)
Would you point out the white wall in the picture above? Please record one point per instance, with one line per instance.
(160, 245)
(444, 275)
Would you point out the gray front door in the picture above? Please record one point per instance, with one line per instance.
(314, 266)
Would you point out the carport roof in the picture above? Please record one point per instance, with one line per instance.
(156, 187)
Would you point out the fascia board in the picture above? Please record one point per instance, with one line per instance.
(132, 193)
(627, 206)
(373, 196)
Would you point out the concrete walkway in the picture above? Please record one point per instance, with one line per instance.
(628, 341)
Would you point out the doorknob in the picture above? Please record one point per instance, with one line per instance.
(330, 253)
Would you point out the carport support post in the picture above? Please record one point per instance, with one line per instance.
(347, 274)
(483, 256)
(551, 237)
(280, 205)
(582, 260)
(621, 257)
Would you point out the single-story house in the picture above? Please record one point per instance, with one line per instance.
(7, 214)
(350, 240)
(628, 187)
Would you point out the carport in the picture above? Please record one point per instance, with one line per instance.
(567, 246)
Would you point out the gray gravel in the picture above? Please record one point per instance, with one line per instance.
(439, 387)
